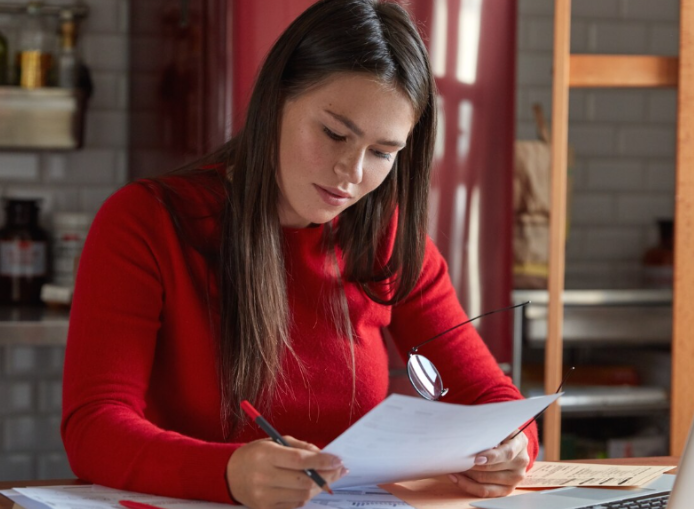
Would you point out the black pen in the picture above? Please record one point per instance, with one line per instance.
(277, 438)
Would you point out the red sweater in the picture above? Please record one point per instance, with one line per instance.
(141, 399)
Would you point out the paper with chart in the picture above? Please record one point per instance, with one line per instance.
(371, 497)
(100, 497)
(407, 438)
(548, 474)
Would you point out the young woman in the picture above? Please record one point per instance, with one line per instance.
(268, 273)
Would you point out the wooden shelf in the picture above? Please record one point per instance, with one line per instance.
(623, 71)
(41, 119)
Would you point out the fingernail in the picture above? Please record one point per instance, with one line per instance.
(344, 472)
(336, 462)
(453, 478)
(480, 460)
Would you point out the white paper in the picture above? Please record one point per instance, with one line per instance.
(406, 438)
(100, 497)
(372, 497)
(25, 502)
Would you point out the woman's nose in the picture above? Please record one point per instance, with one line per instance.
(351, 167)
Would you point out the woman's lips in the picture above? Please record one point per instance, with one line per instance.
(330, 196)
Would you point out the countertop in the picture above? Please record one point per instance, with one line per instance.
(33, 325)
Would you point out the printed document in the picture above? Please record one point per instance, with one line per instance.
(407, 438)
(100, 497)
(546, 474)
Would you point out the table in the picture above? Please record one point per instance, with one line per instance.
(7, 504)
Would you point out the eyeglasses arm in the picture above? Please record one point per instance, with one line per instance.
(566, 376)
(414, 350)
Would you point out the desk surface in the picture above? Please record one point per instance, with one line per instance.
(7, 504)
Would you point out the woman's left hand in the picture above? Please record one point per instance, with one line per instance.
(497, 471)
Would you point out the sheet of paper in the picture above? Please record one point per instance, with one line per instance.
(372, 497)
(546, 474)
(406, 438)
(22, 502)
(99, 497)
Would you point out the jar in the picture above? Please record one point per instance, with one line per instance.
(658, 260)
(69, 233)
(34, 58)
(23, 254)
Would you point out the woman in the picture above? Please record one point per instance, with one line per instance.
(268, 275)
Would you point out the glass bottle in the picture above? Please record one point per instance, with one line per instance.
(23, 254)
(68, 59)
(658, 260)
(34, 59)
(4, 56)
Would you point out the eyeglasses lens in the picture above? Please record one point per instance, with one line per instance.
(425, 377)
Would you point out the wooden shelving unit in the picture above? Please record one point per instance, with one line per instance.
(573, 71)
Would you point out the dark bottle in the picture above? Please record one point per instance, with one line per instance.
(4, 61)
(23, 254)
(659, 260)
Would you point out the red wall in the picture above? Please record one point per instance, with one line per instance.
(182, 90)
(471, 212)
(256, 27)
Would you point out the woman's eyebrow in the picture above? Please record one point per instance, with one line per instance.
(359, 132)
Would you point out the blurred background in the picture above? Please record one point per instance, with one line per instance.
(96, 93)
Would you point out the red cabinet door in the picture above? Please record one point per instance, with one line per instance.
(472, 45)
(180, 82)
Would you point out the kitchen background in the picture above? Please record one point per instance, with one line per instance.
(624, 140)
(622, 179)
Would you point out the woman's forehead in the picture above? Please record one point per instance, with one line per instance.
(358, 96)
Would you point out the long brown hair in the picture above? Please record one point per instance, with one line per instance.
(333, 36)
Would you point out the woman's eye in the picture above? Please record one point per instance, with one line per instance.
(333, 136)
(381, 155)
(336, 137)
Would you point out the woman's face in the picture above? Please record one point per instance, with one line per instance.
(338, 141)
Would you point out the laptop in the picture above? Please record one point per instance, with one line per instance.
(659, 494)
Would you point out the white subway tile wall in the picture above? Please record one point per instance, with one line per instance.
(31, 376)
(624, 139)
(63, 179)
(30, 391)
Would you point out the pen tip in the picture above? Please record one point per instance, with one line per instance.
(327, 488)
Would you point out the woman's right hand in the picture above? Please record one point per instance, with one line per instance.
(266, 475)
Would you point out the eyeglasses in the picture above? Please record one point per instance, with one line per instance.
(423, 375)
(566, 377)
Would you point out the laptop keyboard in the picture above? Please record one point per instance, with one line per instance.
(645, 502)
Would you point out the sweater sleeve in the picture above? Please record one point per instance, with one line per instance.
(466, 365)
(112, 338)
